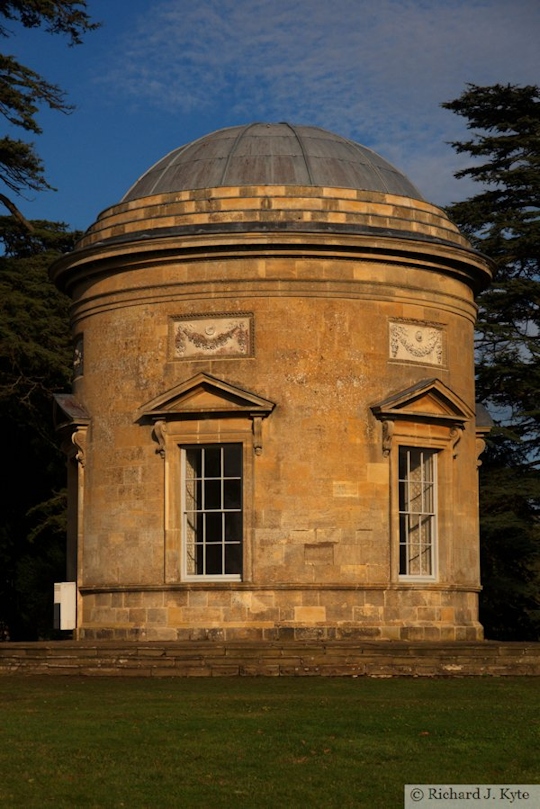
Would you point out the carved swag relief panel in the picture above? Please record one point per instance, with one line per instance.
(416, 342)
(222, 335)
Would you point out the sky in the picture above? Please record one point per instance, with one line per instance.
(160, 73)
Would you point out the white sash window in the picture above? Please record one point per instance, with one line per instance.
(212, 511)
(417, 512)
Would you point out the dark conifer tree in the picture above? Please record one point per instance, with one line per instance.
(35, 361)
(35, 350)
(503, 221)
(23, 91)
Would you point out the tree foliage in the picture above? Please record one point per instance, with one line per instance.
(35, 340)
(35, 360)
(23, 91)
(503, 221)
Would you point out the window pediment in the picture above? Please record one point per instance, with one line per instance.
(428, 400)
(202, 395)
(71, 421)
(69, 412)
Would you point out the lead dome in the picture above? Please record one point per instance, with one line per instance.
(272, 154)
(271, 178)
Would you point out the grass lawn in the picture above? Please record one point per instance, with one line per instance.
(259, 743)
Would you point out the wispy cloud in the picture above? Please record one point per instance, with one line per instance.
(376, 72)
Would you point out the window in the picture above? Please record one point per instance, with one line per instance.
(212, 511)
(417, 512)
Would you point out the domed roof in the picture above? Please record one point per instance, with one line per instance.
(272, 154)
(271, 190)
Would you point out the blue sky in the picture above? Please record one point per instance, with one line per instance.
(159, 73)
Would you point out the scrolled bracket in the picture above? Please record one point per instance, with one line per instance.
(455, 435)
(158, 434)
(387, 435)
(78, 439)
(480, 447)
(257, 434)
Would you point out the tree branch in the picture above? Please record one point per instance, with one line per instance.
(12, 208)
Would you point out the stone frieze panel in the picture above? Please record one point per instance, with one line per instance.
(216, 336)
(416, 342)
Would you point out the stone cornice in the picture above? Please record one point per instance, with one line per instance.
(112, 257)
(266, 220)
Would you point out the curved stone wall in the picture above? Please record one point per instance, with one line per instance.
(319, 330)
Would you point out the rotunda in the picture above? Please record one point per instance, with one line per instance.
(272, 427)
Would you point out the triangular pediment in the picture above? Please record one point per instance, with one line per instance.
(204, 394)
(430, 399)
(68, 411)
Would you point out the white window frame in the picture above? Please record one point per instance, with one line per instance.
(193, 535)
(417, 514)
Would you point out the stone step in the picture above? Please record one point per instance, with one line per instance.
(253, 658)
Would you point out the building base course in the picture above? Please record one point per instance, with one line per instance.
(271, 659)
